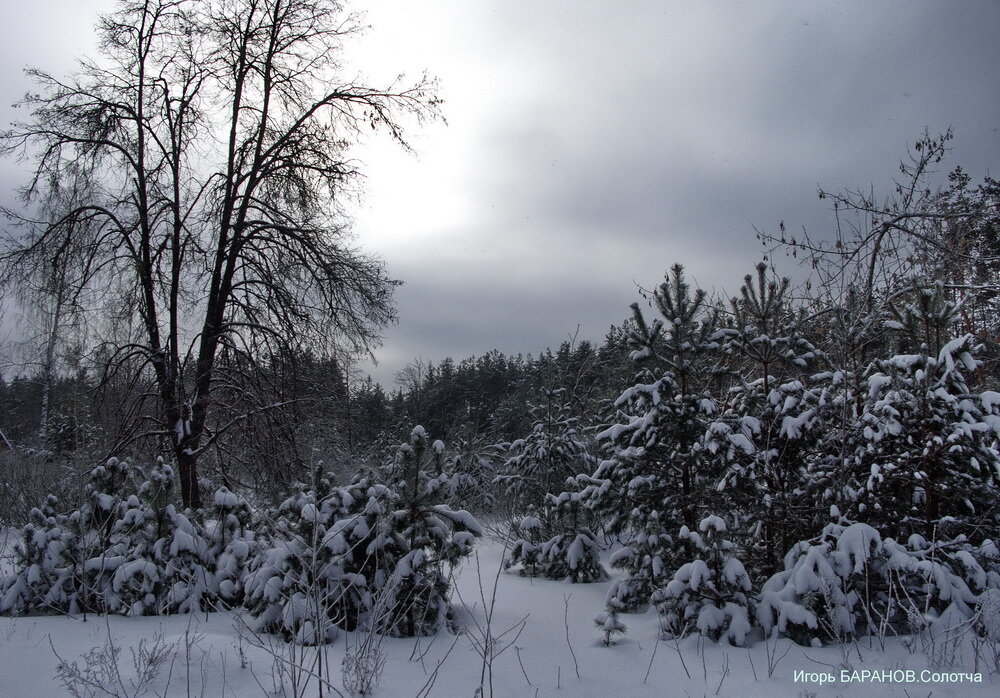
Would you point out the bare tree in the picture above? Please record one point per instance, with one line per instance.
(882, 242)
(212, 139)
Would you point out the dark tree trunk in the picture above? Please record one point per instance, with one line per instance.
(187, 473)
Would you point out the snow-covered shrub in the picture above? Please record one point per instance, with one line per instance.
(135, 587)
(851, 582)
(987, 623)
(710, 593)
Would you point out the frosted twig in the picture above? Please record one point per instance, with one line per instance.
(576, 665)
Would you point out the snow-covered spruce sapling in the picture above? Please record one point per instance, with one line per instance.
(136, 587)
(811, 601)
(167, 564)
(99, 548)
(370, 555)
(709, 594)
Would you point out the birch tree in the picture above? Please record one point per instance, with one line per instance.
(212, 137)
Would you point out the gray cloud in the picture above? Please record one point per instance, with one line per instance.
(634, 136)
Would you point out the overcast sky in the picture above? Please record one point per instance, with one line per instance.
(590, 144)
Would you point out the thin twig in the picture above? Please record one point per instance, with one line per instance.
(576, 665)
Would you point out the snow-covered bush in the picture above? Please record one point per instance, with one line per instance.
(851, 581)
(472, 469)
(710, 593)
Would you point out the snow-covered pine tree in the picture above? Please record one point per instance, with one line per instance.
(232, 545)
(299, 587)
(184, 554)
(366, 551)
(124, 550)
(436, 537)
(929, 461)
(527, 548)
(98, 549)
(44, 568)
(812, 599)
(710, 592)
(764, 437)
(554, 450)
(658, 476)
(573, 552)
(472, 467)
(647, 557)
(136, 587)
(609, 623)
(846, 322)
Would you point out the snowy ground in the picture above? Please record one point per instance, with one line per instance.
(202, 654)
